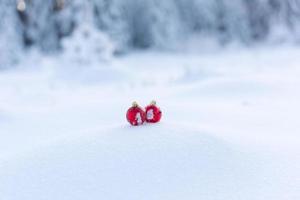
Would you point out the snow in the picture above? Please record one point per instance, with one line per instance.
(229, 130)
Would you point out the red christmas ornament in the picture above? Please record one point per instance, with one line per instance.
(135, 115)
(153, 113)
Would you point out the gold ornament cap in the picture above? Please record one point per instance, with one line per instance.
(135, 104)
(153, 103)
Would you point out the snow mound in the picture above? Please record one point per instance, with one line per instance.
(149, 162)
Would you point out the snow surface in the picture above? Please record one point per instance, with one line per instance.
(230, 127)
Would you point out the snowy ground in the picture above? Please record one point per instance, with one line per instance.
(230, 128)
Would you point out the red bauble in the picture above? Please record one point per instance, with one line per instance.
(136, 115)
(153, 113)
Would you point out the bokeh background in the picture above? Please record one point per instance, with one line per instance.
(122, 26)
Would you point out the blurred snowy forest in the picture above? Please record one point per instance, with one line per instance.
(118, 26)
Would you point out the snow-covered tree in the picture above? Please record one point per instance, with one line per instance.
(10, 34)
(87, 44)
(46, 22)
(142, 23)
(153, 23)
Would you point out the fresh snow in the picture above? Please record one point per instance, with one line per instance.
(229, 131)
